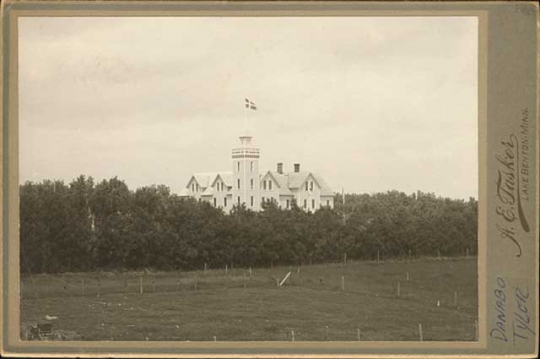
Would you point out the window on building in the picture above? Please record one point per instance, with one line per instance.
(251, 182)
(306, 186)
(251, 166)
(270, 185)
(305, 203)
(215, 202)
(237, 166)
(224, 202)
(311, 186)
(288, 203)
(193, 187)
(222, 186)
(328, 203)
(238, 200)
(264, 185)
(197, 188)
(312, 203)
(251, 201)
(238, 183)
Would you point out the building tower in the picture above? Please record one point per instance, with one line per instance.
(245, 186)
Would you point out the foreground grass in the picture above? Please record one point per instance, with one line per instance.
(199, 306)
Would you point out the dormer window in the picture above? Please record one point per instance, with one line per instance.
(264, 185)
(311, 186)
(270, 185)
(306, 186)
(238, 166)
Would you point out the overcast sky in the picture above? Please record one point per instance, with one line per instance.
(371, 103)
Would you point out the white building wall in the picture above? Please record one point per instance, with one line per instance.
(311, 197)
(245, 166)
(269, 189)
(327, 201)
(220, 193)
(194, 189)
(285, 201)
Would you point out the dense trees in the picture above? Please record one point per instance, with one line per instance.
(87, 226)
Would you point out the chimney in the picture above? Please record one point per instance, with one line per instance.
(297, 167)
(280, 168)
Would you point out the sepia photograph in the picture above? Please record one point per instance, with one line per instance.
(265, 178)
(269, 179)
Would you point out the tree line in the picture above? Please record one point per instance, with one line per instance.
(86, 226)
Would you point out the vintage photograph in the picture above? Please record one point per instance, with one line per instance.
(248, 178)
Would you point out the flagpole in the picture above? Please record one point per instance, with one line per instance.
(245, 121)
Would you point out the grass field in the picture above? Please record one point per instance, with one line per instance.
(232, 305)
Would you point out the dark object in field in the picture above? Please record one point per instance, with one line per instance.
(47, 332)
(41, 332)
(320, 280)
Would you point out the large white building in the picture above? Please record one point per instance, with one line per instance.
(246, 184)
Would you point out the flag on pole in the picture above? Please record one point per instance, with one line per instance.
(250, 105)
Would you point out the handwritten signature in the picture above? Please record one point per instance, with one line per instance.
(521, 320)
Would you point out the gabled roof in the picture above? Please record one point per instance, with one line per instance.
(209, 191)
(325, 188)
(282, 181)
(297, 178)
(285, 182)
(184, 192)
(226, 177)
(206, 179)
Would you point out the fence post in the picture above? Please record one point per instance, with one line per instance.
(342, 283)
(140, 285)
(420, 332)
